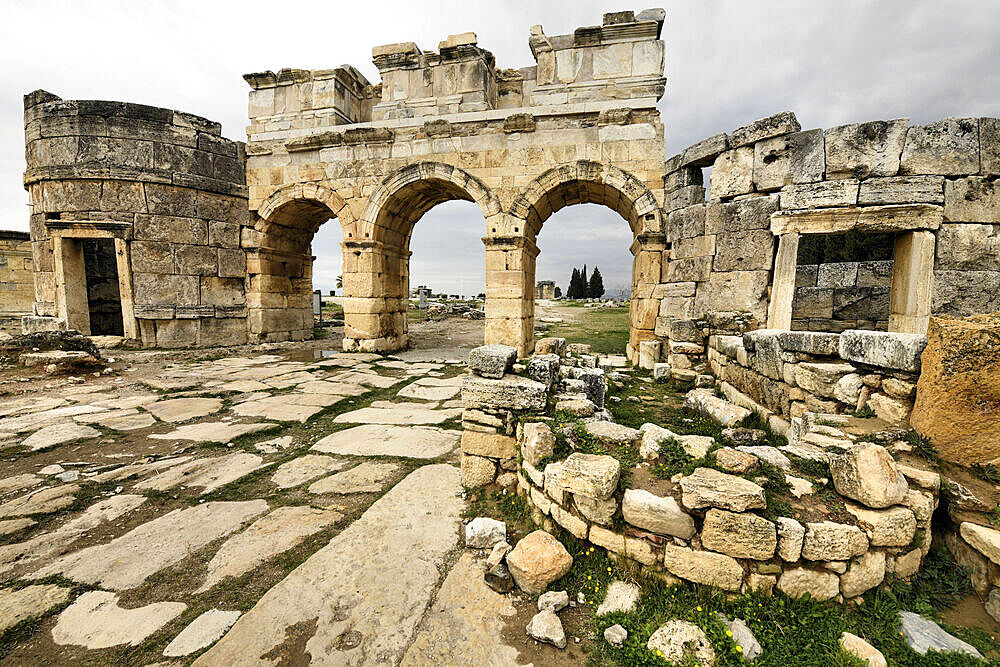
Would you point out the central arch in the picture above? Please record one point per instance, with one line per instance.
(377, 256)
(597, 183)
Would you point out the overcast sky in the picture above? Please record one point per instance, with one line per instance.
(728, 62)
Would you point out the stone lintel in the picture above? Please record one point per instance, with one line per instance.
(864, 219)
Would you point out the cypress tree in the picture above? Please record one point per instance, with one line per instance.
(584, 283)
(595, 290)
(574, 285)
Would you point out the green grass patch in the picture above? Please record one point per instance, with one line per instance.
(606, 330)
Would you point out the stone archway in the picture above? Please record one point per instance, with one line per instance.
(279, 262)
(377, 255)
(582, 182)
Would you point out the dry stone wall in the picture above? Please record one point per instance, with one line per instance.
(842, 295)
(166, 188)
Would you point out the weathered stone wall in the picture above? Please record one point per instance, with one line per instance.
(771, 179)
(842, 295)
(167, 187)
(16, 279)
(580, 126)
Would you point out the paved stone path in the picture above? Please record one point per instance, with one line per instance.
(231, 465)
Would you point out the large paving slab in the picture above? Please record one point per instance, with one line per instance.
(96, 621)
(334, 388)
(58, 434)
(429, 392)
(126, 561)
(27, 602)
(43, 501)
(283, 407)
(18, 482)
(212, 431)
(267, 537)
(358, 600)
(201, 632)
(182, 409)
(464, 626)
(367, 477)
(304, 468)
(367, 379)
(396, 415)
(418, 442)
(208, 473)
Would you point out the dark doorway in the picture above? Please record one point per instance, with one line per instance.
(103, 298)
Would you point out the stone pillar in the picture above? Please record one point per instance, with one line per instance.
(376, 277)
(279, 300)
(912, 282)
(779, 310)
(510, 292)
(71, 284)
(647, 251)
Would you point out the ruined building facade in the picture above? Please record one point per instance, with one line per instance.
(197, 241)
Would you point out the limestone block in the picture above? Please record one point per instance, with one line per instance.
(837, 274)
(477, 471)
(968, 246)
(680, 198)
(492, 361)
(171, 228)
(171, 290)
(809, 342)
(958, 385)
(842, 192)
(867, 473)
(741, 215)
(511, 392)
(704, 567)
(862, 650)
(863, 573)
(656, 514)
(538, 442)
(698, 246)
(537, 560)
(686, 223)
(821, 378)
(875, 274)
(649, 354)
(591, 475)
(232, 263)
(703, 153)
(152, 257)
(971, 200)
(989, 146)
(827, 540)
(224, 331)
(493, 445)
(597, 511)
(682, 178)
(890, 410)
(902, 190)
(551, 346)
(744, 251)
(744, 291)
(707, 487)
(732, 173)
(960, 293)
(865, 149)
(544, 368)
(892, 527)
(784, 122)
(949, 147)
(792, 158)
(791, 533)
(897, 351)
(741, 535)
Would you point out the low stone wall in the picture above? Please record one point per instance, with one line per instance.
(785, 374)
(842, 295)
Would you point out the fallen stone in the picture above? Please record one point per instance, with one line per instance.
(554, 601)
(304, 468)
(735, 461)
(656, 514)
(357, 618)
(551, 346)
(498, 578)
(201, 632)
(546, 627)
(706, 487)
(620, 596)
(862, 650)
(498, 553)
(538, 560)
(58, 434)
(704, 401)
(923, 635)
(651, 440)
(29, 602)
(96, 621)
(367, 477)
(182, 409)
(208, 473)
(867, 473)
(485, 533)
(126, 561)
(750, 648)
(477, 471)
(212, 431)
(681, 642)
(267, 537)
(578, 407)
(492, 361)
(740, 436)
(615, 635)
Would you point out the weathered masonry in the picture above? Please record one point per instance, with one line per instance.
(16, 292)
(581, 125)
(136, 217)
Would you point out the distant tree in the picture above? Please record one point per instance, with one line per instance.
(595, 290)
(584, 283)
(574, 285)
(558, 292)
(340, 281)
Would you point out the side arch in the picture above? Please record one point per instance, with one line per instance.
(586, 182)
(304, 206)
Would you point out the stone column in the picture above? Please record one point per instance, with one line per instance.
(779, 310)
(71, 284)
(375, 282)
(510, 292)
(279, 298)
(647, 251)
(912, 282)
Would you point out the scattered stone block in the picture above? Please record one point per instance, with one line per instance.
(538, 560)
(511, 392)
(554, 601)
(485, 533)
(492, 361)
(621, 596)
(923, 635)
(862, 650)
(679, 642)
(615, 635)
(546, 627)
